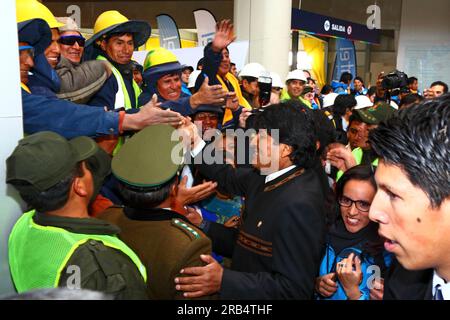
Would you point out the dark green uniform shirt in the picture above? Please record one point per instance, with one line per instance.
(164, 241)
(102, 268)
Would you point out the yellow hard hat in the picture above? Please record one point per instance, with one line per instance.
(160, 56)
(32, 9)
(114, 22)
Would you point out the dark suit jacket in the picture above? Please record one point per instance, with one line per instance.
(402, 284)
(276, 253)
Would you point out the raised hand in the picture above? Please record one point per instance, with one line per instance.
(187, 195)
(224, 35)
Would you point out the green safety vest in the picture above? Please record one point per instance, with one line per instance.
(285, 96)
(122, 97)
(358, 155)
(38, 254)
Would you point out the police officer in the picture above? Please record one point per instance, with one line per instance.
(57, 244)
(164, 239)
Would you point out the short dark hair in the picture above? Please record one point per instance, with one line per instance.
(440, 83)
(354, 117)
(51, 199)
(249, 79)
(342, 103)
(346, 77)
(417, 139)
(326, 132)
(295, 123)
(372, 90)
(410, 99)
(108, 36)
(232, 64)
(411, 80)
(326, 89)
(359, 79)
(145, 198)
(360, 173)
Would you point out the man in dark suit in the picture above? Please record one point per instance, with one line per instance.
(276, 252)
(412, 204)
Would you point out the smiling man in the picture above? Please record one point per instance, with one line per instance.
(276, 252)
(115, 39)
(412, 204)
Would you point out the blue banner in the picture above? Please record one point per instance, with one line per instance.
(331, 27)
(345, 59)
(169, 37)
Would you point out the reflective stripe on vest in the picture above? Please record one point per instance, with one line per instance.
(24, 87)
(122, 97)
(38, 254)
(358, 155)
(285, 96)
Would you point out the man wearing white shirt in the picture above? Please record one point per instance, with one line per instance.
(276, 252)
(412, 204)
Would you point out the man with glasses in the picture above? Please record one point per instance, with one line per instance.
(79, 81)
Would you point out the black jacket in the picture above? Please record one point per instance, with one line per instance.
(276, 253)
(402, 284)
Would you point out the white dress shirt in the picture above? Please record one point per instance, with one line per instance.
(277, 174)
(445, 286)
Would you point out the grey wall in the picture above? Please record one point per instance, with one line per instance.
(424, 41)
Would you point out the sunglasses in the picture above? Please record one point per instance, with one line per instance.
(28, 49)
(70, 40)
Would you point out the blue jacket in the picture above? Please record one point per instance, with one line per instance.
(339, 87)
(331, 258)
(44, 81)
(41, 113)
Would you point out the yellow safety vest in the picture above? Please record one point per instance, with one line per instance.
(237, 89)
(38, 254)
(122, 97)
(358, 155)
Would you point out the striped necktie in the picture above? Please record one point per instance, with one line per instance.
(438, 293)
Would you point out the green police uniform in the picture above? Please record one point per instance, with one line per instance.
(47, 251)
(164, 240)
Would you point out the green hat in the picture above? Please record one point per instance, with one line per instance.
(150, 158)
(45, 158)
(376, 114)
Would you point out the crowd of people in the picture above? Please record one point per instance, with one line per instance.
(158, 181)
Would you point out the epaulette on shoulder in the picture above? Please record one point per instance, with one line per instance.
(191, 232)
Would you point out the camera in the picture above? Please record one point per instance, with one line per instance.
(265, 89)
(395, 80)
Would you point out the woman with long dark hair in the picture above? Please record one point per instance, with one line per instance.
(354, 256)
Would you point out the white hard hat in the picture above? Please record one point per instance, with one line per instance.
(329, 99)
(296, 75)
(253, 69)
(363, 102)
(193, 78)
(276, 80)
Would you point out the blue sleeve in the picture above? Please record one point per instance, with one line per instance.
(210, 67)
(66, 118)
(182, 106)
(106, 96)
